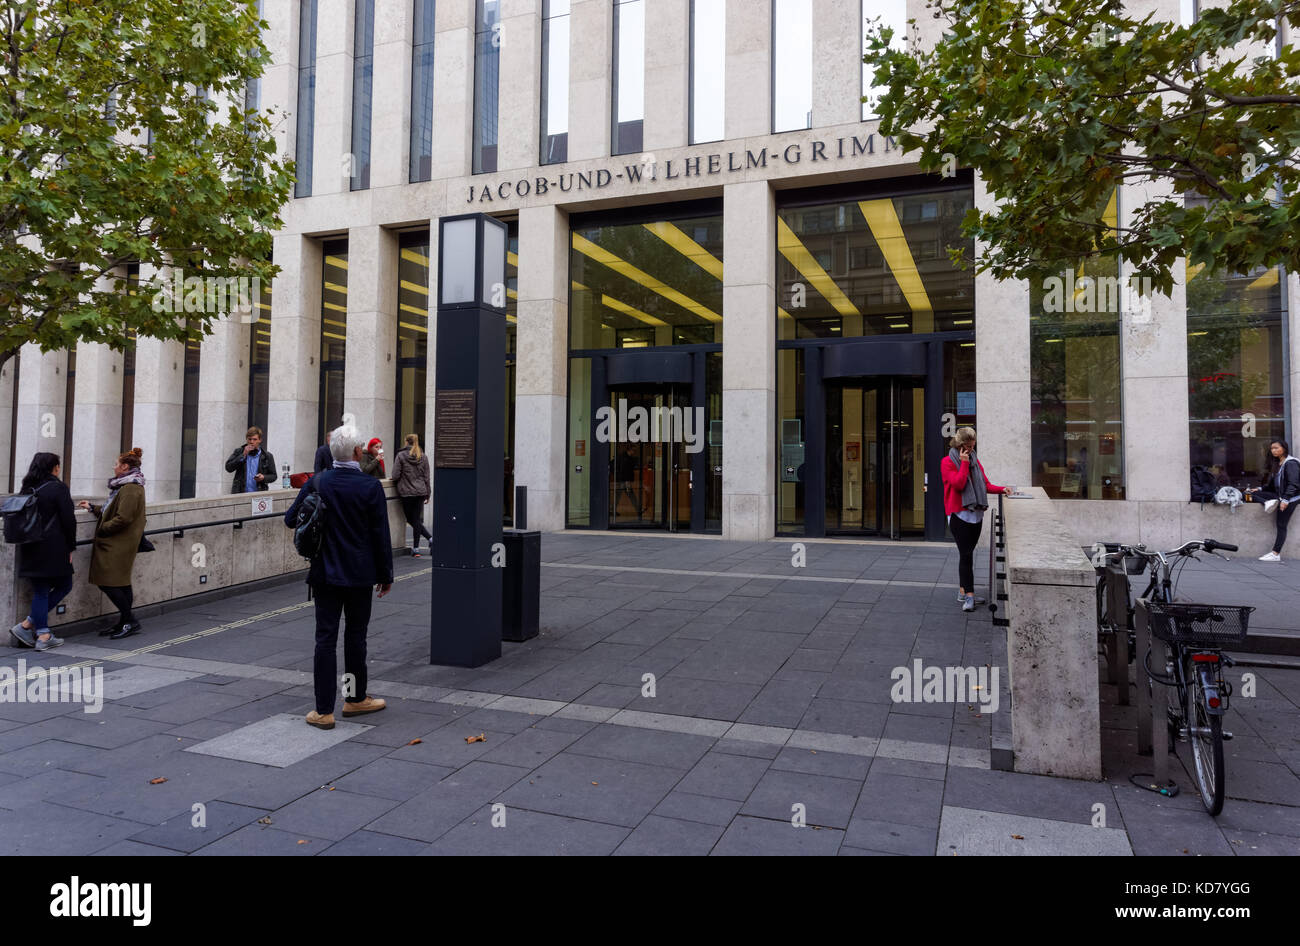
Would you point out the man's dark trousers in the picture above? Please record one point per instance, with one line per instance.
(353, 604)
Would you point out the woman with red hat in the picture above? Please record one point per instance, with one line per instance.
(372, 461)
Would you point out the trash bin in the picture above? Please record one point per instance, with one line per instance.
(521, 594)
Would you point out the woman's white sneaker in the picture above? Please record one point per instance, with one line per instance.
(1270, 505)
(1270, 557)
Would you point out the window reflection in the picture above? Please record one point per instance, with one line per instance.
(333, 334)
(421, 167)
(487, 65)
(708, 74)
(791, 64)
(629, 75)
(555, 81)
(891, 13)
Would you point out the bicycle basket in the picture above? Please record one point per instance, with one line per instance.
(1207, 625)
(1134, 564)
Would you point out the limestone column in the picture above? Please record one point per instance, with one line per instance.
(519, 91)
(1153, 333)
(370, 379)
(837, 66)
(7, 373)
(42, 396)
(159, 397)
(749, 74)
(748, 361)
(591, 31)
(97, 418)
(453, 88)
(333, 117)
(295, 346)
(1002, 371)
(667, 74)
(223, 399)
(390, 107)
(541, 378)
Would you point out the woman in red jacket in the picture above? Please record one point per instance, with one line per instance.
(965, 497)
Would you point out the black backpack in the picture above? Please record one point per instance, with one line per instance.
(309, 525)
(1203, 485)
(22, 520)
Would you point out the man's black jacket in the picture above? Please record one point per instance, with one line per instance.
(265, 466)
(358, 549)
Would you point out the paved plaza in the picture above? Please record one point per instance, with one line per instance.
(685, 696)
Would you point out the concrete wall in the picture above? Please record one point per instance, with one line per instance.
(203, 559)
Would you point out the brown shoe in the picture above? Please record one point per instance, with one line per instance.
(320, 722)
(369, 705)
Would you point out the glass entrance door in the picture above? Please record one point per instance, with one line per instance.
(875, 458)
(649, 467)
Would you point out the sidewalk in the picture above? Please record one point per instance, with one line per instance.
(771, 700)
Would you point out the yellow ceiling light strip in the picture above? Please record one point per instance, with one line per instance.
(336, 261)
(512, 258)
(792, 248)
(1265, 280)
(626, 309)
(413, 287)
(415, 310)
(413, 257)
(335, 287)
(624, 268)
(887, 229)
(336, 308)
(679, 241)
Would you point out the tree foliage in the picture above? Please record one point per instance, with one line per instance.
(111, 154)
(1055, 103)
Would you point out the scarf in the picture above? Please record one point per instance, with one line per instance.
(975, 496)
(115, 483)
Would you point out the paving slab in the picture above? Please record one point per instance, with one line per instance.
(280, 741)
(969, 832)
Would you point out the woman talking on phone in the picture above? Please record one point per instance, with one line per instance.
(965, 497)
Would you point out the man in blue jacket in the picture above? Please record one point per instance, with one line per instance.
(356, 555)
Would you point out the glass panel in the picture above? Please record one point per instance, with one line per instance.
(487, 65)
(911, 462)
(790, 433)
(792, 64)
(641, 284)
(579, 474)
(333, 334)
(259, 361)
(494, 264)
(457, 247)
(362, 92)
(708, 75)
(555, 82)
(190, 412)
(874, 267)
(421, 168)
(891, 13)
(306, 96)
(412, 335)
(629, 75)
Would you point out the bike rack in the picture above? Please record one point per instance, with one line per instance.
(1117, 603)
(997, 560)
(1152, 708)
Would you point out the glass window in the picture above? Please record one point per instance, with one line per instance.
(363, 74)
(791, 436)
(791, 64)
(708, 73)
(190, 410)
(306, 96)
(422, 93)
(874, 267)
(555, 81)
(1076, 408)
(641, 284)
(1235, 373)
(512, 327)
(487, 68)
(629, 76)
(259, 360)
(413, 324)
(891, 13)
(333, 334)
(69, 413)
(579, 497)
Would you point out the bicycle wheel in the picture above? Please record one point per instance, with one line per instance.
(1207, 742)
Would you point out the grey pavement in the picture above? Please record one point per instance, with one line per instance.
(686, 695)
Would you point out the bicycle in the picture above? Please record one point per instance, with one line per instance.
(1194, 635)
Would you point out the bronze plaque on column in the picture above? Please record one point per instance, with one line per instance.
(453, 431)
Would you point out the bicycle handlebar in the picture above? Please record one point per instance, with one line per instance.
(1187, 548)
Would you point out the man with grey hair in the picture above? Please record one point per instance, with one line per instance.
(356, 554)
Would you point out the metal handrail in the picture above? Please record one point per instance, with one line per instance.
(179, 531)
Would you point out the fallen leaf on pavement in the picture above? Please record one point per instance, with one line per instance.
(481, 737)
(415, 742)
(304, 842)
(266, 820)
(1018, 837)
(156, 781)
(595, 783)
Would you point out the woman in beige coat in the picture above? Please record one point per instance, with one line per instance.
(117, 539)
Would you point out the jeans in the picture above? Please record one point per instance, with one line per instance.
(121, 597)
(413, 509)
(966, 534)
(46, 594)
(1283, 515)
(331, 604)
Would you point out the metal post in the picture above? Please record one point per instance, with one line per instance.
(1117, 605)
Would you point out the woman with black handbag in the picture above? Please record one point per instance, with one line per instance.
(46, 562)
(118, 539)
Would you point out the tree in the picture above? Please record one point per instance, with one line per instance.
(113, 151)
(1054, 103)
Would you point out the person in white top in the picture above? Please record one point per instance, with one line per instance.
(1281, 491)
